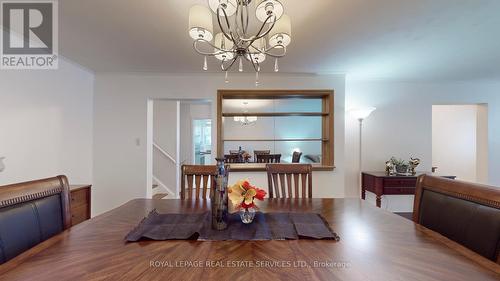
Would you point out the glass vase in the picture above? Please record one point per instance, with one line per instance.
(247, 215)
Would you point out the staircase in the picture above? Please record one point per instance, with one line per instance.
(163, 178)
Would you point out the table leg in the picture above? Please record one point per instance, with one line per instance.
(379, 191)
(363, 188)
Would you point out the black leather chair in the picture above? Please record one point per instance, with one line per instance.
(32, 212)
(466, 213)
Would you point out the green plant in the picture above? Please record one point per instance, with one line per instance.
(398, 162)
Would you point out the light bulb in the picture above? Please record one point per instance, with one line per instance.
(276, 66)
(241, 65)
(226, 80)
(257, 79)
(205, 65)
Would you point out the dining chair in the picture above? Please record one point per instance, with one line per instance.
(260, 152)
(282, 188)
(268, 158)
(32, 212)
(296, 157)
(466, 213)
(232, 158)
(203, 178)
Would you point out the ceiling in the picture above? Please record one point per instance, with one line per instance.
(392, 39)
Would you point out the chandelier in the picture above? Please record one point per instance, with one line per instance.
(235, 43)
(245, 120)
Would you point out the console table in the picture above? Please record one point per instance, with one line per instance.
(382, 184)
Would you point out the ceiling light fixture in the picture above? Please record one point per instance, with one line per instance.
(246, 120)
(234, 43)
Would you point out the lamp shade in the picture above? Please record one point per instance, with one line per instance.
(200, 23)
(228, 45)
(228, 5)
(259, 44)
(282, 32)
(265, 8)
(361, 113)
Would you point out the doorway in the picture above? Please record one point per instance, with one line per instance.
(202, 141)
(178, 132)
(460, 141)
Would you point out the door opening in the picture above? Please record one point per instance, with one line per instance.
(460, 141)
(179, 132)
(202, 141)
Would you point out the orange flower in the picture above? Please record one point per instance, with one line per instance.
(242, 194)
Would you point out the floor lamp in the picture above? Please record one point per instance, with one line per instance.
(361, 114)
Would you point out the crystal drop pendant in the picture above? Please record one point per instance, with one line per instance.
(241, 65)
(205, 65)
(276, 66)
(226, 80)
(257, 79)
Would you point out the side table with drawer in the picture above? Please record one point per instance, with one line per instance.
(382, 184)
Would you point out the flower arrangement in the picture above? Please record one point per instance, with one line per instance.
(246, 156)
(242, 194)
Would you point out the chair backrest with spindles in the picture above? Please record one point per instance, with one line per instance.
(260, 152)
(196, 180)
(268, 158)
(233, 158)
(289, 180)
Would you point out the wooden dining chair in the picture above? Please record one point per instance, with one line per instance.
(268, 158)
(280, 184)
(260, 152)
(203, 178)
(468, 214)
(233, 158)
(32, 212)
(296, 157)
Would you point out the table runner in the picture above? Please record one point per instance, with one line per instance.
(266, 226)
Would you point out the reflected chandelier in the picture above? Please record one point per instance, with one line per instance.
(234, 43)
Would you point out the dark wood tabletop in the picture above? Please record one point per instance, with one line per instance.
(374, 245)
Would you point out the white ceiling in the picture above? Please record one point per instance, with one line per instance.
(393, 39)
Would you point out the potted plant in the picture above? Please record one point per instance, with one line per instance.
(400, 165)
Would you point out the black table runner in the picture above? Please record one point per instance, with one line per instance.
(266, 226)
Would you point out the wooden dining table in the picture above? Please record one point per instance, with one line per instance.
(374, 245)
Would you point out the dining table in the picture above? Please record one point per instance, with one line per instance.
(374, 245)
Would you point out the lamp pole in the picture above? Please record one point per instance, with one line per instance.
(360, 178)
(361, 114)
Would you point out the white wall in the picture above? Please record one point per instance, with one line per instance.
(482, 144)
(454, 140)
(46, 123)
(402, 126)
(120, 118)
